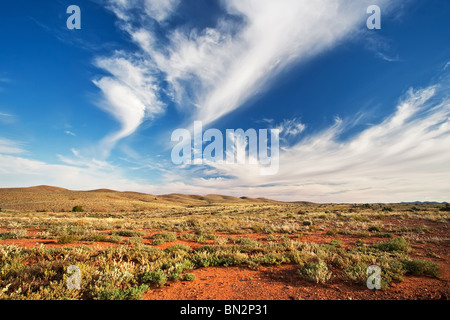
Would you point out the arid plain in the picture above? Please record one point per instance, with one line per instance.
(130, 245)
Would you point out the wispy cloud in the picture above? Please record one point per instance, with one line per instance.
(447, 65)
(10, 147)
(70, 133)
(215, 70)
(381, 46)
(291, 128)
(404, 157)
(129, 95)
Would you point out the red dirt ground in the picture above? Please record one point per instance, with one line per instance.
(282, 282)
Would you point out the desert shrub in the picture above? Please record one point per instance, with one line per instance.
(420, 266)
(316, 272)
(385, 235)
(14, 234)
(189, 277)
(360, 218)
(67, 238)
(364, 234)
(156, 276)
(179, 248)
(387, 209)
(42, 235)
(134, 240)
(446, 208)
(115, 239)
(221, 241)
(307, 222)
(164, 237)
(336, 243)
(246, 242)
(357, 273)
(397, 244)
(374, 229)
(134, 293)
(95, 237)
(332, 232)
(128, 233)
(77, 209)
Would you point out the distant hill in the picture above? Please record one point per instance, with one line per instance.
(35, 189)
(424, 202)
(48, 198)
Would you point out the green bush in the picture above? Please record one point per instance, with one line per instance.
(189, 277)
(77, 209)
(179, 248)
(157, 277)
(374, 229)
(13, 234)
(95, 237)
(247, 242)
(66, 238)
(164, 237)
(336, 243)
(420, 267)
(316, 272)
(115, 239)
(134, 293)
(128, 233)
(397, 244)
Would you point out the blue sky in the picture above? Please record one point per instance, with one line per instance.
(364, 115)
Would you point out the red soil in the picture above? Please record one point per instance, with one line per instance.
(283, 282)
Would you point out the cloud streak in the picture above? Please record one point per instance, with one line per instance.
(212, 71)
(404, 157)
(129, 95)
(10, 147)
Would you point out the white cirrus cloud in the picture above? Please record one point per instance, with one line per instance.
(8, 146)
(404, 158)
(214, 70)
(129, 95)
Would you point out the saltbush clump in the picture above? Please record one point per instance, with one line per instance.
(397, 244)
(77, 209)
(420, 267)
(317, 272)
(189, 277)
